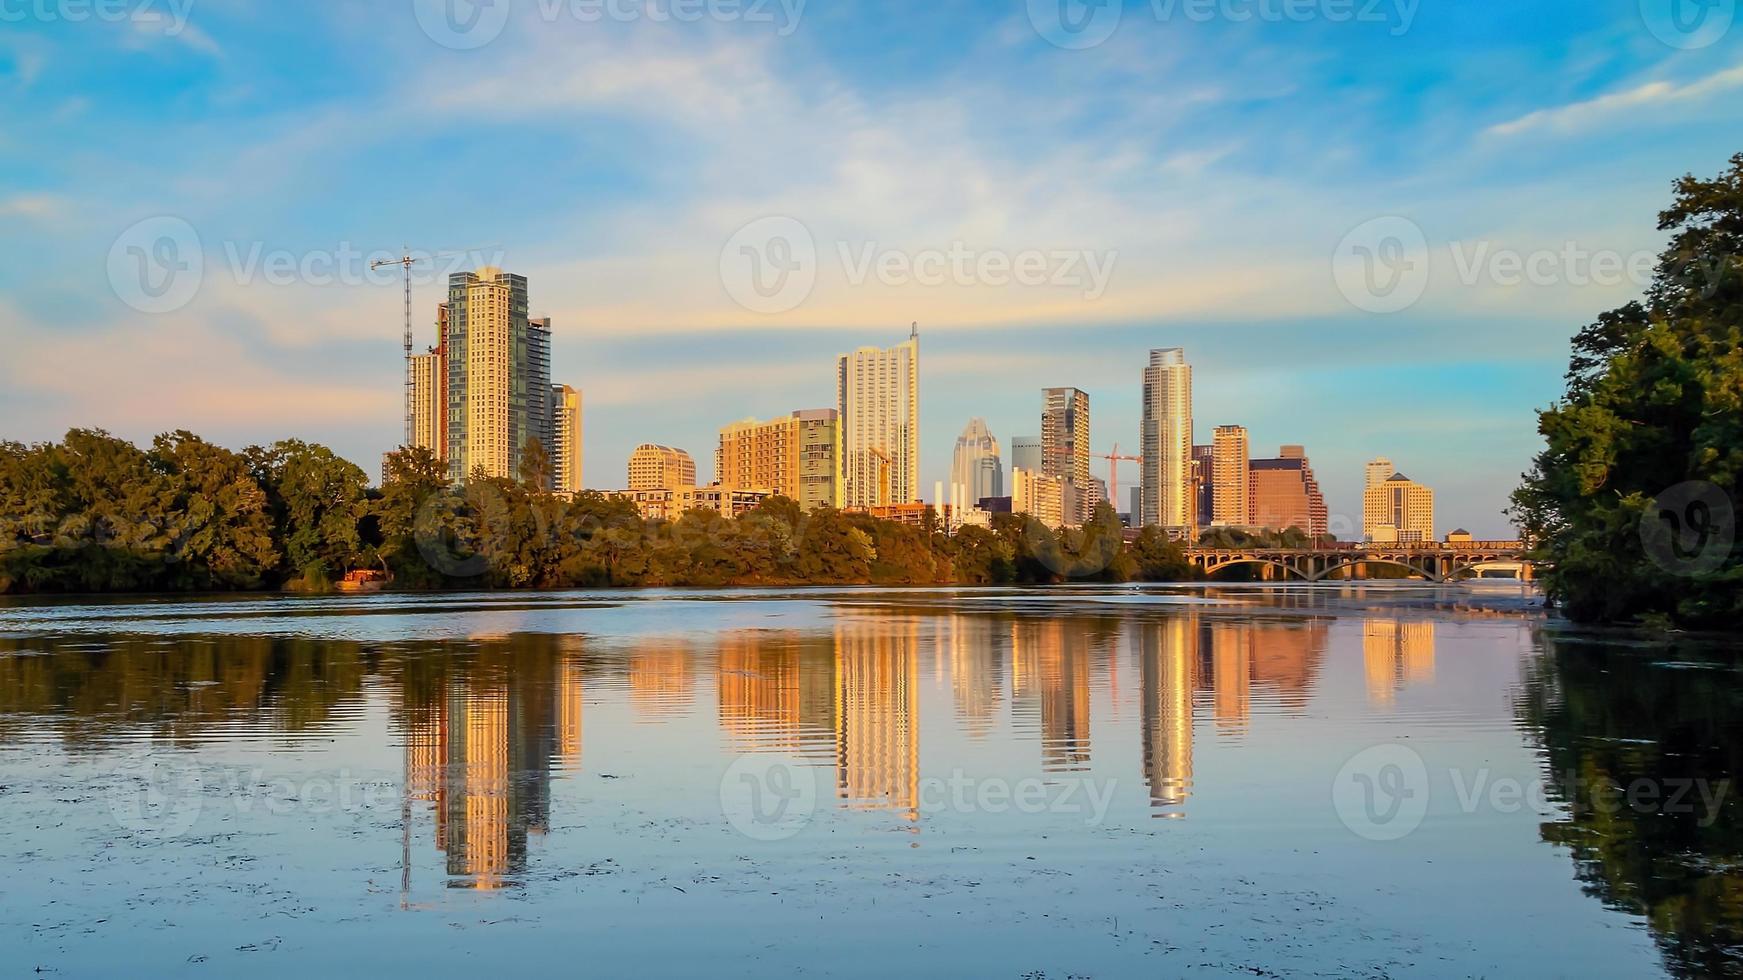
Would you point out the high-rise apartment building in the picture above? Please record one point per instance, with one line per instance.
(499, 374)
(1038, 495)
(429, 380)
(878, 396)
(1285, 494)
(1398, 510)
(976, 468)
(1065, 447)
(1230, 452)
(1166, 438)
(655, 467)
(1203, 487)
(1026, 453)
(566, 443)
(797, 456)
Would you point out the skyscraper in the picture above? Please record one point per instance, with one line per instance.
(1203, 487)
(797, 456)
(1166, 438)
(1026, 453)
(1230, 452)
(878, 395)
(654, 467)
(499, 373)
(976, 467)
(1065, 447)
(565, 439)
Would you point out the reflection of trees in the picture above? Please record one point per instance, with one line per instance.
(94, 688)
(1608, 717)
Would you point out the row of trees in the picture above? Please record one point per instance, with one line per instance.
(1633, 501)
(93, 513)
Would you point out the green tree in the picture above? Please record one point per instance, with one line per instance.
(317, 500)
(1654, 401)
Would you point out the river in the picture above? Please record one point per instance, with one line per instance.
(1385, 779)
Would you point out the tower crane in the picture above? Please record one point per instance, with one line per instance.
(405, 262)
(1113, 459)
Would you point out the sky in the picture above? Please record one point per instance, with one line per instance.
(1372, 224)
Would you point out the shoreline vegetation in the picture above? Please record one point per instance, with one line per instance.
(94, 514)
(1632, 504)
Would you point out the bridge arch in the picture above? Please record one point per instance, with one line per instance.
(1288, 569)
(1427, 573)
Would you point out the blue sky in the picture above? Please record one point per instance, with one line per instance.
(1220, 157)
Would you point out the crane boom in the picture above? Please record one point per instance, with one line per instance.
(405, 262)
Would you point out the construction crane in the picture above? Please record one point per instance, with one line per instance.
(1113, 459)
(405, 262)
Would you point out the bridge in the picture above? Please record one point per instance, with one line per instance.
(1435, 561)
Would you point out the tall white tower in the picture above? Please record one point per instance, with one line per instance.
(879, 399)
(1166, 438)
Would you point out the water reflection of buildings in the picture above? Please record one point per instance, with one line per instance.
(1190, 659)
(659, 677)
(877, 672)
(849, 701)
(480, 750)
(975, 679)
(777, 692)
(1396, 654)
(1050, 679)
(1167, 662)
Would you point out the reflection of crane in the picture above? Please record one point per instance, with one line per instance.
(405, 262)
(1113, 459)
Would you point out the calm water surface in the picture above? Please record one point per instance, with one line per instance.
(1393, 780)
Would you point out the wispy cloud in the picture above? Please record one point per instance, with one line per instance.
(1595, 112)
(32, 206)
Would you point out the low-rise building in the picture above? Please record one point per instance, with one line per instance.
(670, 503)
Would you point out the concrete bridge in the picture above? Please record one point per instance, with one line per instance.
(1435, 561)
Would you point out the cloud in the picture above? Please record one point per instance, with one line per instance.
(42, 206)
(149, 24)
(1592, 112)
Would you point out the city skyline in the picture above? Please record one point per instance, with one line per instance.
(1214, 248)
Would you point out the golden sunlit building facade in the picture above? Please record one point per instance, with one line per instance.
(1398, 510)
(878, 398)
(656, 467)
(798, 456)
